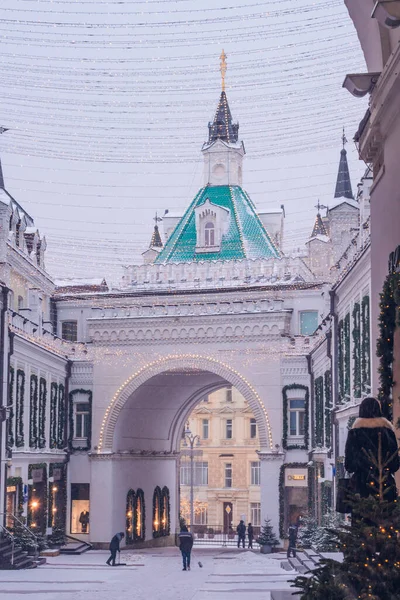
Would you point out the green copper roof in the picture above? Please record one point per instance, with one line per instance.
(245, 237)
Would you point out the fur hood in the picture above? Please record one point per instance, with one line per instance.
(372, 423)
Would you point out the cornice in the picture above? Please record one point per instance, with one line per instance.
(133, 455)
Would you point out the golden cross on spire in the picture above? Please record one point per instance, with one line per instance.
(223, 66)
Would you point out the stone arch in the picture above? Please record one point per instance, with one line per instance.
(183, 361)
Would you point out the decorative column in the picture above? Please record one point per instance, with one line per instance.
(271, 462)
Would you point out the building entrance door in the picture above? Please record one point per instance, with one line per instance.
(228, 515)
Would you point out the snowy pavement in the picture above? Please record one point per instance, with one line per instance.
(155, 574)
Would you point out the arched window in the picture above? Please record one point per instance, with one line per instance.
(20, 303)
(157, 513)
(165, 511)
(209, 234)
(140, 516)
(130, 517)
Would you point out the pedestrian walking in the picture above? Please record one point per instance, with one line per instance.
(292, 541)
(114, 548)
(250, 534)
(241, 531)
(185, 546)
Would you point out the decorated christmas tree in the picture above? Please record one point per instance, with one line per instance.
(267, 536)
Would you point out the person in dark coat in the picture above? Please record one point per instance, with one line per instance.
(241, 531)
(185, 546)
(250, 534)
(292, 541)
(114, 547)
(362, 446)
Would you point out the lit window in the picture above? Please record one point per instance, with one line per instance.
(253, 428)
(69, 331)
(228, 429)
(255, 513)
(308, 322)
(228, 397)
(82, 420)
(205, 429)
(200, 515)
(255, 473)
(200, 473)
(209, 234)
(228, 475)
(296, 417)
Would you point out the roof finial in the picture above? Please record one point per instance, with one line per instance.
(320, 206)
(223, 66)
(157, 219)
(344, 139)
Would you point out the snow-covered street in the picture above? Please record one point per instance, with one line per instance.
(153, 574)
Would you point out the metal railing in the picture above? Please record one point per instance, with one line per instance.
(10, 536)
(21, 525)
(217, 535)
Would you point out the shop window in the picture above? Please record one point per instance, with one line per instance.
(253, 429)
(80, 507)
(255, 514)
(205, 429)
(228, 475)
(296, 417)
(308, 322)
(200, 473)
(69, 331)
(228, 429)
(37, 505)
(82, 420)
(255, 473)
(56, 514)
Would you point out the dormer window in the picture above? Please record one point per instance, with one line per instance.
(209, 234)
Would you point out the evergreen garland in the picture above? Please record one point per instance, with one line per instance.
(295, 386)
(340, 363)
(319, 411)
(33, 412)
(157, 532)
(19, 409)
(10, 422)
(365, 346)
(53, 414)
(294, 465)
(130, 517)
(385, 342)
(17, 481)
(42, 413)
(356, 350)
(60, 517)
(347, 357)
(328, 408)
(165, 511)
(140, 518)
(61, 417)
(44, 500)
(89, 395)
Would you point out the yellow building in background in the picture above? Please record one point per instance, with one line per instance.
(226, 464)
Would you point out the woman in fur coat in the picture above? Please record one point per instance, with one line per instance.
(362, 441)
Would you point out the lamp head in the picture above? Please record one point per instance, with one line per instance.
(387, 13)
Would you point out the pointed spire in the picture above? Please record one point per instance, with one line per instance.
(156, 241)
(2, 130)
(222, 128)
(319, 227)
(343, 183)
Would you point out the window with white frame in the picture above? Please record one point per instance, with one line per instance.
(228, 429)
(255, 514)
(82, 420)
(308, 322)
(69, 331)
(209, 234)
(253, 429)
(228, 475)
(200, 515)
(255, 473)
(200, 473)
(205, 430)
(296, 416)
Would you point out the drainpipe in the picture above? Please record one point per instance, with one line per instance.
(3, 397)
(334, 384)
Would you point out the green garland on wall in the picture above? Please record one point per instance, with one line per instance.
(385, 343)
(285, 406)
(340, 363)
(328, 408)
(140, 517)
(42, 413)
(365, 346)
(294, 465)
(17, 481)
(33, 412)
(357, 350)
(44, 500)
(53, 414)
(19, 409)
(157, 531)
(10, 421)
(61, 417)
(165, 511)
(89, 395)
(347, 357)
(319, 411)
(130, 525)
(60, 519)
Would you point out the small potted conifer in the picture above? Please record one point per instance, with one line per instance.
(267, 538)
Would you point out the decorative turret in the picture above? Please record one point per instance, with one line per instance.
(156, 244)
(319, 226)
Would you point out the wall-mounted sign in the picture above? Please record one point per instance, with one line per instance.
(296, 477)
(11, 488)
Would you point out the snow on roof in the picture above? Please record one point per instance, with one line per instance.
(31, 230)
(274, 211)
(321, 238)
(339, 201)
(79, 282)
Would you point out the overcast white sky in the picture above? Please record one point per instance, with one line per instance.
(108, 102)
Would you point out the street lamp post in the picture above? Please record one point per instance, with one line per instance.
(191, 441)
